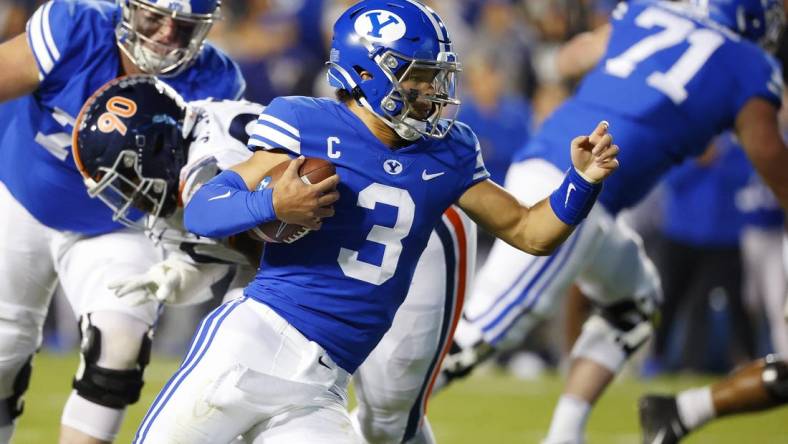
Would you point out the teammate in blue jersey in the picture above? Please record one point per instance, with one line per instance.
(51, 230)
(274, 364)
(669, 76)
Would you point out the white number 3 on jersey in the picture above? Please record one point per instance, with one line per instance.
(390, 237)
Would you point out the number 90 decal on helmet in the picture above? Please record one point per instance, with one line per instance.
(395, 58)
(129, 145)
(163, 37)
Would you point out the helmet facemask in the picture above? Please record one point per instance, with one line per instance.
(161, 41)
(775, 21)
(129, 194)
(412, 108)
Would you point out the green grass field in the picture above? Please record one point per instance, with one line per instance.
(484, 409)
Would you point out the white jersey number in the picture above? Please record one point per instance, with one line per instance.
(390, 237)
(702, 44)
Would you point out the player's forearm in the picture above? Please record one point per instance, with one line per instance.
(224, 206)
(548, 223)
(578, 56)
(540, 231)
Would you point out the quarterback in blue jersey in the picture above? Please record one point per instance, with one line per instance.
(51, 230)
(394, 383)
(274, 364)
(669, 76)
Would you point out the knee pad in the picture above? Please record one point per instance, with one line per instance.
(775, 378)
(613, 333)
(12, 407)
(105, 386)
(631, 322)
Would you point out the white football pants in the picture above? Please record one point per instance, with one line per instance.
(394, 383)
(249, 372)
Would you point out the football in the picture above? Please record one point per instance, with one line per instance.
(312, 171)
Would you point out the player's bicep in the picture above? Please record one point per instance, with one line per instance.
(759, 134)
(19, 75)
(253, 169)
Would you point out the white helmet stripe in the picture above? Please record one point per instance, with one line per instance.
(439, 31)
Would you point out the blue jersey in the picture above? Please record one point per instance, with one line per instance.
(74, 44)
(669, 81)
(700, 203)
(340, 286)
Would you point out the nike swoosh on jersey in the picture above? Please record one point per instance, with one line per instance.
(426, 176)
(221, 196)
(569, 190)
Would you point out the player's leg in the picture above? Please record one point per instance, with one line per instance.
(27, 281)
(326, 424)
(116, 337)
(288, 390)
(623, 284)
(514, 291)
(759, 386)
(394, 383)
(765, 279)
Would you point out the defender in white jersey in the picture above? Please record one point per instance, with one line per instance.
(51, 231)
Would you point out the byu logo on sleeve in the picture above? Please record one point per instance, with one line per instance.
(380, 26)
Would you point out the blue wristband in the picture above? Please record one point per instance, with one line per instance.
(572, 201)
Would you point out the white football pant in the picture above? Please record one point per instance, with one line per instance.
(249, 372)
(394, 383)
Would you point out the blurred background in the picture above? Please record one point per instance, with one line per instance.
(720, 260)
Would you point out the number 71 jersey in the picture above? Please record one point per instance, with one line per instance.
(667, 61)
(340, 286)
(669, 81)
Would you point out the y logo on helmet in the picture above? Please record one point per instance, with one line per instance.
(182, 6)
(380, 26)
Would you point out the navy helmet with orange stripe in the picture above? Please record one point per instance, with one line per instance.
(129, 145)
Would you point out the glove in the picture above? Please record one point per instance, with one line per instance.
(172, 281)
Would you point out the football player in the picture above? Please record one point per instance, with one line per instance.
(393, 384)
(314, 313)
(51, 230)
(756, 387)
(669, 76)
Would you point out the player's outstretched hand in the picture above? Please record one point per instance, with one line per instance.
(296, 202)
(595, 156)
(171, 281)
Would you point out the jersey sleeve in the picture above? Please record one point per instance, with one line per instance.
(277, 128)
(49, 32)
(471, 160)
(762, 78)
